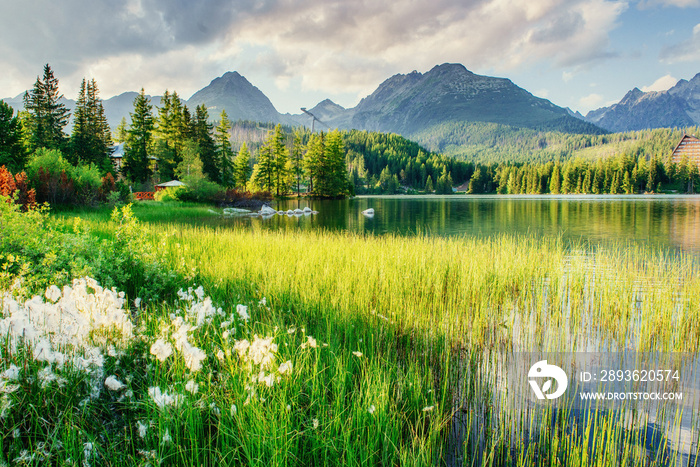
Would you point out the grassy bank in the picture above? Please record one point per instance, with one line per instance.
(319, 348)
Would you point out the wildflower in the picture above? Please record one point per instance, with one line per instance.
(357, 354)
(268, 379)
(143, 428)
(199, 292)
(11, 373)
(8, 388)
(137, 302)
(163, 399)
(289, 408)
(193, 357)
(166, 437)
(113, 384)
(263, 302)
(234, 410)
(220, 355)
(286, 367)
(428, 409)
(371, 409)
(53, 293)
(192, 387)
(291, 330)
(310, 342)
(242, 311)
(315, 422)
(225, 335)
(161, 349)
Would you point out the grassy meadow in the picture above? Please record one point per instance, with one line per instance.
(190, 345)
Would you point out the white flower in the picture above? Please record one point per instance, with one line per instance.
(225, 335)
(193, 357)
(310, 342)
(286, 367)
(371, 409)
(113, 384)
(220, 355)
(137, 302)
(291, 330)
(53, 293)
(429, 408)
(199, 292)
(11, 373)
(263, 302)
(234, 410)
(143, 428)
(161, 349)
(242, 311)
(8, 388)
(289, 408)
(315, 422)
(166, 437)
(163, 399)
(357, 354)
(192, 387)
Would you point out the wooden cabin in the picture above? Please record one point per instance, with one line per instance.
(688, 146)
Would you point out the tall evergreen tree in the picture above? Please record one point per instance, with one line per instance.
(12, 152)
(47, 116)
(313, 160)
(224, 151)
(336, 169)
(121, 133)
(137, 166)
(91, 139)
(264, 170)
(297, 159)
(281, 157)
(207, 149)
(241, 168)
(168, 134)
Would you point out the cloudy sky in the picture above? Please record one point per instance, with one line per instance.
(578, 53)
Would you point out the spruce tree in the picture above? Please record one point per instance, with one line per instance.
(224, 151)
(91, 139)
(337, 173)
(207, 149)
(47, 116)
(264, 170)
(280, 155)
(313, 160)
(137, 166)
(241, 168)
(121, 133)
(12, 152)
(297, 159)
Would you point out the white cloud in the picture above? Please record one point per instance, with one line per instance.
(567, 76)
(335, 45)
(661, 84)
(686, 51)
(591, 101)
(669, 3)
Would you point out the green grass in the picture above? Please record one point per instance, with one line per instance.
(431, 317)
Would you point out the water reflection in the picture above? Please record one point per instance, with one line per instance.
(668, 221)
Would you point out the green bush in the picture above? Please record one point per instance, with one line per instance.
(170, 194)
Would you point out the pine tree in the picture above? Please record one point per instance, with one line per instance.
(169, 135)
(429, 185)
(207, 149)
(224, 151)
(12, 152)
(336, 183)
(121, 133)
(241, 168)
(280, 156)
(555, 180)
(297, 160)
(313, 160)
(91, 139)
(264, 170)
(137, 166)
(47, 115)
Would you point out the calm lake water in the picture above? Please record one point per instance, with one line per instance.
(660, 220)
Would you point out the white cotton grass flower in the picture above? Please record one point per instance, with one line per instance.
(166, 437)
(310, 342)
(11, 374)
(263, 302)
(192, 387)
(161, 350)
(371, 409)
(137, 302)
(429, 408)
(286, 367)
(234, 410)
(357, 354)
(163, 399)
(315, 423)
(113, 384)
(7, 388)
(143, 429)
(242, 311)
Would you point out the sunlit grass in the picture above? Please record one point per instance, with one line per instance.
(407, 335)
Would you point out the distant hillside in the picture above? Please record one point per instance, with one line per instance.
(677, 107)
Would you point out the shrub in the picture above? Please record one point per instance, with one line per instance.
(170, 194)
